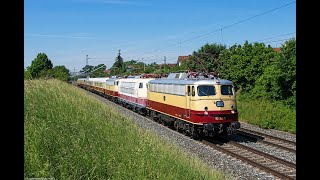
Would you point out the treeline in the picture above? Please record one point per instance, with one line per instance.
(42, 67)
(257, 70)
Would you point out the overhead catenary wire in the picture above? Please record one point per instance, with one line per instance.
(261, 40)
(278, 40)
(220, 29)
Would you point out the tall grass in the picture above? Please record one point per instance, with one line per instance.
(267, 114)
(70, 135)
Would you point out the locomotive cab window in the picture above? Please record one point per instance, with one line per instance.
(188, 91)
(206, 90)
(226, 90)
(193, 91)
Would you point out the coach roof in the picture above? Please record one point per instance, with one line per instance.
(191, 81)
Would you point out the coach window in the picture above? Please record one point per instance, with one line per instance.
(140, 85)
(193, 91)
(188, 91)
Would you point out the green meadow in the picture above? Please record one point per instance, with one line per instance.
(267, 114)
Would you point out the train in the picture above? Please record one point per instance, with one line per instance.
(195, 104)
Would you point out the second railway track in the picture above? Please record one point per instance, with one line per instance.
(268, 163)
(267, 139)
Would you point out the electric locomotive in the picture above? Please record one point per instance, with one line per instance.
(196, 104)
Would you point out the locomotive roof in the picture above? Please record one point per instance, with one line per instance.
(191, 81)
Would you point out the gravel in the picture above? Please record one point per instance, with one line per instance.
(233, 168)
(280, 153)
(272, 132)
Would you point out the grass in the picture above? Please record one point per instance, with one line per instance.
(70, 135)
(267, 114)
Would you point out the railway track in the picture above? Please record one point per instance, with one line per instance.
(273, 165)
(267, 139)
(267, 163)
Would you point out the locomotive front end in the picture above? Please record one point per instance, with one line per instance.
(215, 107)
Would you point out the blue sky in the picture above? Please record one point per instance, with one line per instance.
(147, 30)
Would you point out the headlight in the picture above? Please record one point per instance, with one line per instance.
(219, 103)
(206, 110)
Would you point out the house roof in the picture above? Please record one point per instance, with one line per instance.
(182, 58)
(277, 49)
(170, 65)
(107, 71)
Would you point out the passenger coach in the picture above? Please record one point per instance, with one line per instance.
(111, 91)
(133, 93)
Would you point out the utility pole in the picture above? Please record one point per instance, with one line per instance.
(180, 47)
(221, 36)
(144, 66)
(164, 63)
(87, 60)
(74, 73)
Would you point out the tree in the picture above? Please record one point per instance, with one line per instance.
(61, 72)
(245, 64)
(27, 74)
(278, 82)
(97, 71)
(85, 71)
(40, 65)
(287, 65)
(206, 58)
(118, 65)
(87, 68)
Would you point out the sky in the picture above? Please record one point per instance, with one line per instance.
(148, 30)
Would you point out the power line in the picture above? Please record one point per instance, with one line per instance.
(278, 40)
(220, 29)
(275, 37)
(239, 22)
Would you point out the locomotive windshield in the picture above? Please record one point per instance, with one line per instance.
(206, 91)
(226, 90)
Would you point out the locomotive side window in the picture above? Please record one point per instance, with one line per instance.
(188, 91)
(226, 90)
(206, 91)
(140, 85)
(193, 91)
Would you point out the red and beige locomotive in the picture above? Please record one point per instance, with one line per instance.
(195, 104)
